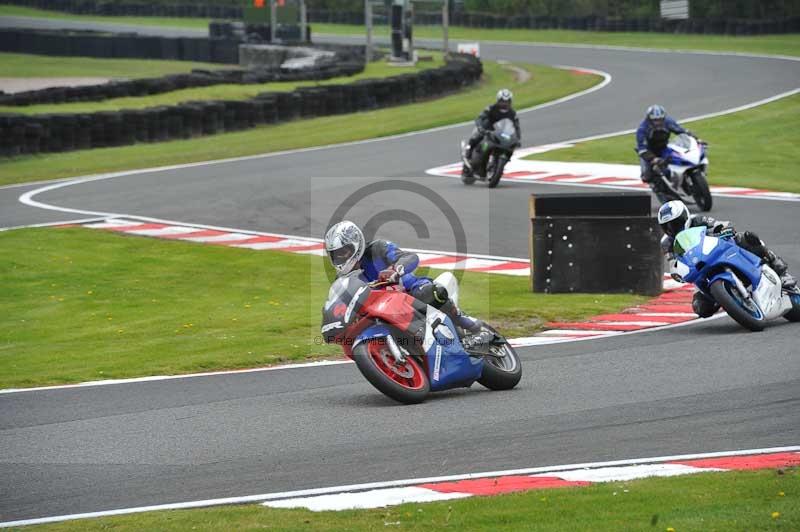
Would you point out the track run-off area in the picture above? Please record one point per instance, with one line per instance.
(704, 388)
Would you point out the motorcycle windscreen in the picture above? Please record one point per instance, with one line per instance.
(449, 366)
(688, 240)
(682, 141)
(505, 129)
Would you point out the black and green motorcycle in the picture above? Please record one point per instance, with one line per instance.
(490, 156)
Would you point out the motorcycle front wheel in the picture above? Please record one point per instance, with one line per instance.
(502, 369)
(497, 171)
(746, 313)
(404, 382)
(700, 191)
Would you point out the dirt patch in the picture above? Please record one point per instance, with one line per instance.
(520, 74)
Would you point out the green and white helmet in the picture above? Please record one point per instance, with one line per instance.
(345, 245)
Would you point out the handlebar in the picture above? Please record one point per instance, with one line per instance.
(379, 284)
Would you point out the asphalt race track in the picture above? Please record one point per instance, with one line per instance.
(703, 388)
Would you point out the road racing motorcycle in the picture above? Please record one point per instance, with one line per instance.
(408, 349)
(748, 290)
(683, 173)
(490, 156)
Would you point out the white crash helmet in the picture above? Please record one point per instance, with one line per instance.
(345, 245)
(504, 97)
(673, 217)
(656, 112)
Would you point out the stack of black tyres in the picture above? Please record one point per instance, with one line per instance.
(32, 134)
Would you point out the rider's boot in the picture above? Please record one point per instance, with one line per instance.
(704, 306)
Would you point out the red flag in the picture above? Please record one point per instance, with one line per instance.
(258, 3)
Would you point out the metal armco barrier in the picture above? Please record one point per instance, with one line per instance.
(595, 243)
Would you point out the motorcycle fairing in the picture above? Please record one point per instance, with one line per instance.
(449, 366)
(706, 258)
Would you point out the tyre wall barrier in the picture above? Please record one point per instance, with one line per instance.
(595, 243)
(118, 45)
(32, 134)
(346, 61)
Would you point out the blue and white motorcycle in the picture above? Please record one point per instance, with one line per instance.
(749, 291)
(683, 172)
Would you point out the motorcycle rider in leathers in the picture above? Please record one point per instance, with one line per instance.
(382, 260)
(674, 217)
(493, 113)
(652, 137)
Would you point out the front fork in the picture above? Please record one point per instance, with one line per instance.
(739, 285)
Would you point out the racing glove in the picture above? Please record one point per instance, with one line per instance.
(389, 275)
(727, 232)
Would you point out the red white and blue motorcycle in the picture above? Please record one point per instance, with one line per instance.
(408, 349)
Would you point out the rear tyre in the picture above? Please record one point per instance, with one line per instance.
(701, 192)
(406, 383)
(504, 372)
(794, 314)
(746, 314)
(466, 175)
(497, 172)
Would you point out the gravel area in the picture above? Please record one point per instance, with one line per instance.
(11, 85)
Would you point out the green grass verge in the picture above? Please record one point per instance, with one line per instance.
(750, 500)
(80, 304)
(377, 69)
(544, 85)
(765, 44)
(175, 22)
(754, 148)
(43, 66)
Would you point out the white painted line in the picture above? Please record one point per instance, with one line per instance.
(164, 231)
(390, 484)
(667, 314)
(732, 110)
(174, 377)
(518, 342)
(366, 499)
(27, 198)
(113, 223)
(287, 243)
(633, 472)
(574, 332)
(217, 238)
(48, 224)
(633, 323)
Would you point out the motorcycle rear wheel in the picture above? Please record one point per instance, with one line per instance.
(731, 301)
(700, 191)
(794, 314)
(406, 383)
(467, 177)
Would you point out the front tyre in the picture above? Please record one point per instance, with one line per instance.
(746, 313)
(700, 191)
(497, 171)
(502, 369)
(406, 383)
